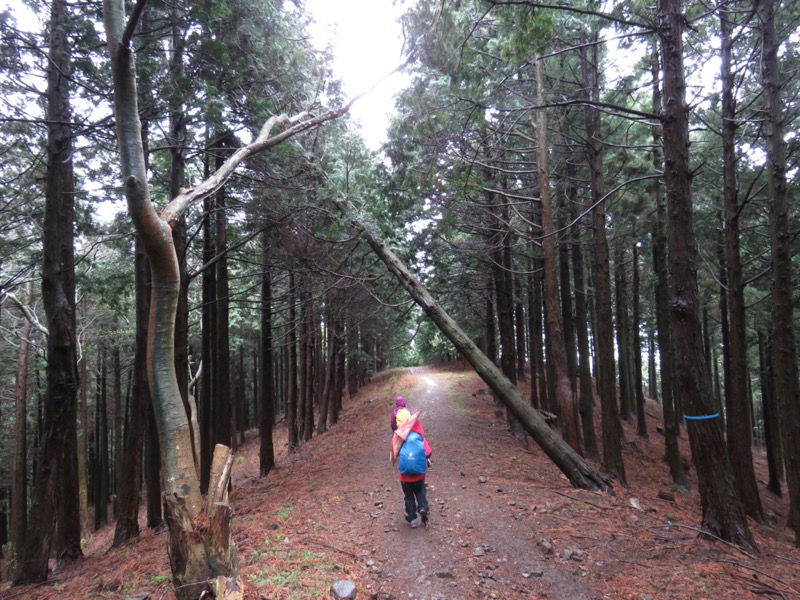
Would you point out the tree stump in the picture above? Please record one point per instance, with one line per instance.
(202, 555)
(188, 558)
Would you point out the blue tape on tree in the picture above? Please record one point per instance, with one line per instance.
(701, 418)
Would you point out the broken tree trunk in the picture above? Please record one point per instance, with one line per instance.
(580, 473)
(203, 556)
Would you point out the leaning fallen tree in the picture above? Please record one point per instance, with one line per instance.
(580, 473)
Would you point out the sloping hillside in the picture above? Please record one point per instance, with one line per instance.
(504, 522)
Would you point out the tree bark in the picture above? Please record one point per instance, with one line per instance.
(503, 286)
(222, 404)
(565, 397)
(659, 248)
(585, 389)
(772, 431)
(101, 444)
(784, 351)
(307, 345)
(638, 385)
(266, 455)
(606, 379)
(209, 319)
(59, 439)
(723, 515)
(291, 366)
(130, 484)
(19, 486)
(737, 400)
(116, 446)
(623, 352)
(83, 436)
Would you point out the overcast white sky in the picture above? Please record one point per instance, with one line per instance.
(367, 42)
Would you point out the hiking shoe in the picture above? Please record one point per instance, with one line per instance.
(424, 514)
(413, 524)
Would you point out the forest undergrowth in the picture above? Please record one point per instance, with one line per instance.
(505, 523)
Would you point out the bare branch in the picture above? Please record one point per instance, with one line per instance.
(133, 21)
(29, 315)
(293, 126)
(580, 11)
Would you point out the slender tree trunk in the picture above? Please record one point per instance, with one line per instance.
(652, 388)
(176, 448)
(302, 360)
(326, 398)
(83, 436)
(266, 455)
(503, 285)
(490, 335)
(586, 393)
(533, 343)
(784, 351)
(565, 281)
(291, 366)
(117, 429)
(659, 234)
(739, 422)
(241, 403)
(209, 319)
(538, 353)
(641, 422)
(59, 439)
(101, 444)
(307, 362)
(723, 514)
(519, 318)
(19, 486)
(623, 352)
(568, 410)
(606, 380)
(130, 484)
(772, 432)
(222, 404)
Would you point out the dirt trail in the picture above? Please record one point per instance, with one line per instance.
(480, 541)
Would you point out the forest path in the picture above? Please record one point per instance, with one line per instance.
(333, 510)
(482, 537)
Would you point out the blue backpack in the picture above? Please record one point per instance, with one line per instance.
(412, 455)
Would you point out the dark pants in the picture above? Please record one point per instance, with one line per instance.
(415, 498)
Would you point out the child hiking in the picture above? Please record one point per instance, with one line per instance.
(399, 408)
(411, 451)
